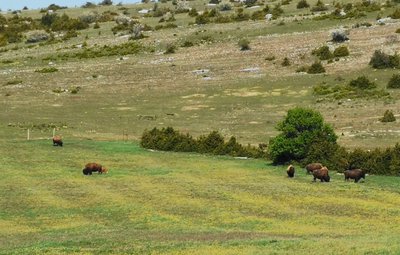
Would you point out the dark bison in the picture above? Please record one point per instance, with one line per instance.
(313, 166)
(355, 174)
(290, 171)
(94, 167)
(322, 174)
(57, 141)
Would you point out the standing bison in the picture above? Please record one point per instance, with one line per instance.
(355, 174)
(322, 174)
(290, 171)
(57, 141)
(94, 167)
(313, 166)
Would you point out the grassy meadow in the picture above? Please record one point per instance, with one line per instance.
(177, 203)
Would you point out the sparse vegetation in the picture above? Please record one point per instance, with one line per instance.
(388, 116)
(244, 44)
(341, 51)
(381, 60)
(394, 82)
(46, 70)
(302, 4)
(316, 68)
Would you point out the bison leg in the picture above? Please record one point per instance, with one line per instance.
(356, 179)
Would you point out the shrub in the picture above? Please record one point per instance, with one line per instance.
(302, 4)
(106, 2)
(362, 82)
(193, 12)
(167, 139)
(339, 36)
(244, 44)
(381, 60)
(170, 48)
(341, 51)
(285, 62)
(388, 116)
(395, 14)
(323, 53)
(315, 68)
(225, 7)
(319, 7)
(394, 82)
(299, 130)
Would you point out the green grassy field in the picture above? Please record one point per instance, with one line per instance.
(177, 203)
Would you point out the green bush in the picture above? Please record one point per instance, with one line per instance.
(299, 130)
(341, 51)
(381, 60)
(285, 62)
(362, 82)
(244, 44)
(167, 139)
(171, 48)
(394, 82)
(323, 53)
(302, 4)
(319, 7)
(388, 116)
(316, 68)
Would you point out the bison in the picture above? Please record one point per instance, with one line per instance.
(94, 167)
(57, 141)
(290, 171)
(313, 166)
(355, 174)
(322, 174)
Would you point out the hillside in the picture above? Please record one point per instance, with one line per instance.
(212, 85)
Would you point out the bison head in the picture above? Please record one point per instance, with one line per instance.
(104, 170)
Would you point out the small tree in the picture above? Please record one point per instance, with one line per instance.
(244, 44)
(394, 82)
(315, 68)
(341, 51)
(285, 62)
(302, 4)
(106, 2)
(299, 130)
(381, 60)
(362, 82)
(388, 116)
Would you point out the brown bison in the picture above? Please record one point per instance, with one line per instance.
(94, 167)
(355, 174)
(290, 171)
(57, 141)
(322, 174)
(313, 166)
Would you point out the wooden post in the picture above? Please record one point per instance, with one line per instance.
(28, 135)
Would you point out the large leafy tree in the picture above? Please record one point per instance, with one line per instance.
(301, 128)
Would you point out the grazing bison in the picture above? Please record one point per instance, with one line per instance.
(94, 167)
(290, 171)
(57, 141)
(313, 166)
(322, 174)
(355, 174)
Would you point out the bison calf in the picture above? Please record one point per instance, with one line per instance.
(313, 166)
(94, 167)
(322, 174)
(290, 171)
(355, 174)
(57, 141)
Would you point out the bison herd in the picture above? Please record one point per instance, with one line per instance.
(89, 167)
(322, 173)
